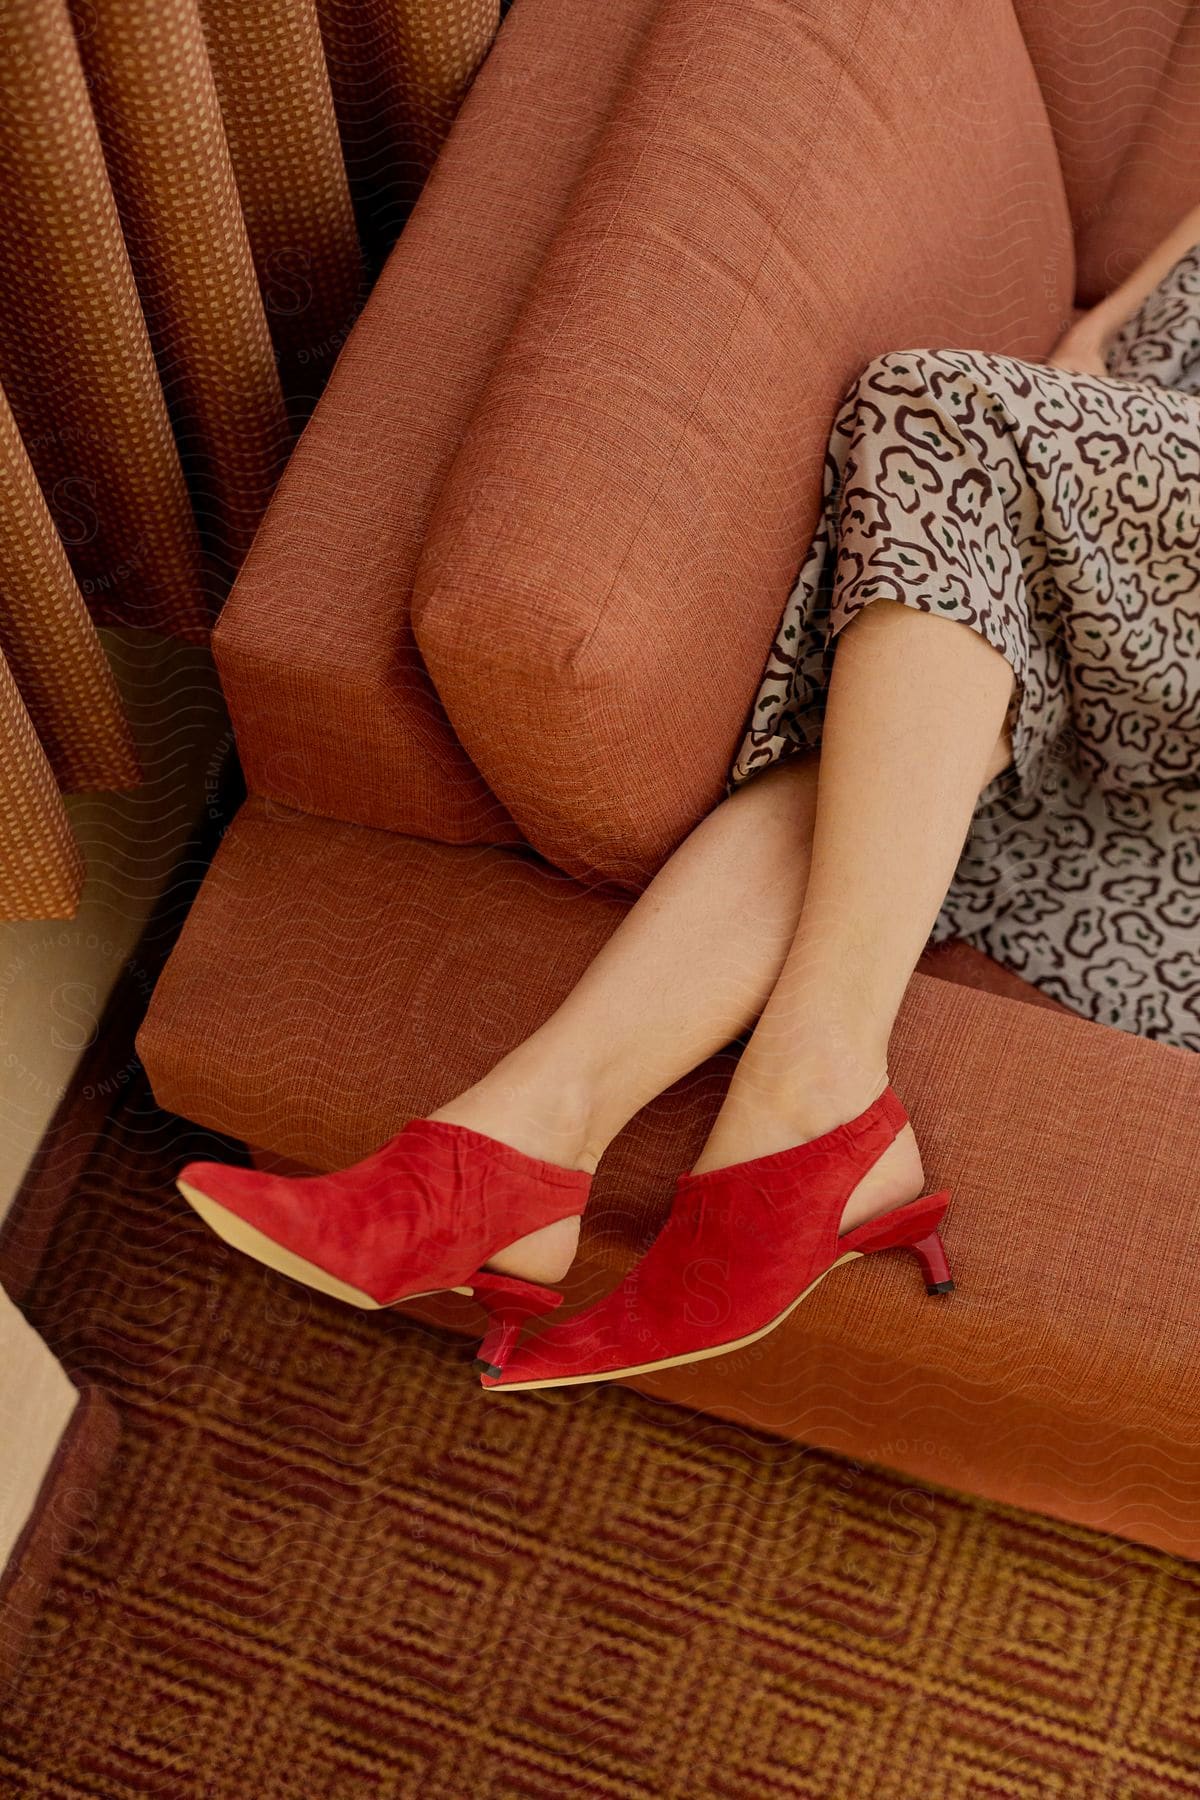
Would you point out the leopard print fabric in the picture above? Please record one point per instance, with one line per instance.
(1058, 515)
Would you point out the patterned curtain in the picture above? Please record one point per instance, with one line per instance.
(197, 197)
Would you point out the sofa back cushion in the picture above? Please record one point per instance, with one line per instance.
(1122, 88)
(782, 192)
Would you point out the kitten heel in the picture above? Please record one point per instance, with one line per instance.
(930, 1252)
(912, 1227)
(510, 1304)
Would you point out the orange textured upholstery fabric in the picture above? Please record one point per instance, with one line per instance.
(1122, 88)
(777, 199)
(333, 981)
(317, 626)
(346, 977)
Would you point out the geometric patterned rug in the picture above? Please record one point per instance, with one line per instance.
(323, 1568)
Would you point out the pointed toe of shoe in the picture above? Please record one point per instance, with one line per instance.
(238, 1202)
(267, 1219)
(238, 1190)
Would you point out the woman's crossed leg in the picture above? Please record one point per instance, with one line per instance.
(799, 906)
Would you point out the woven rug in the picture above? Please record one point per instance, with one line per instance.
(324, 1567)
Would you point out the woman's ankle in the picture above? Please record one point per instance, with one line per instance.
(535, 1103)
(773, 1103)
(552, 1118)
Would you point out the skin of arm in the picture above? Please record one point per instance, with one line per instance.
(1083, 345)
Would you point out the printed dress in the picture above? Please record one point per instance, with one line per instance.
(1058, 514)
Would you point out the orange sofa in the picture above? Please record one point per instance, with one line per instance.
(494, 645)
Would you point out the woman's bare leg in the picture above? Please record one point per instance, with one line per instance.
(913, 730)
(803, 901)
(686, 971)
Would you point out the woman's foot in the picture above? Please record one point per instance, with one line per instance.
(542, 1118)
(743, 1244)
(758, 1118)
(552, 1121)
(544, 1255)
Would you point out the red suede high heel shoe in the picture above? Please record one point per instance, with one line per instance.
(741, 1248)
(421, 1214)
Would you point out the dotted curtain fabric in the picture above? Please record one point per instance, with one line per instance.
(198, 194)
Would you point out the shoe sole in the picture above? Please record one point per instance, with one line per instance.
(672, 1362)
(264, 1249)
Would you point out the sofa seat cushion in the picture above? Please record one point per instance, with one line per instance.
(333, 981)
